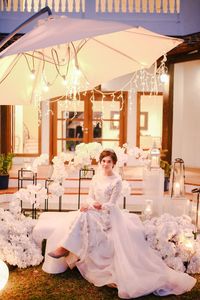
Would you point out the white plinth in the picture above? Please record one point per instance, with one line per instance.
(176, 206)
(154, 188)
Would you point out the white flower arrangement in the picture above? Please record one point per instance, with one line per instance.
(38, 161)
(59, 169)
(17, 246)
(166, 234)
(35, 194)
(137, 155)
(122, 156)
(85, 153)
(56, 190)
(126, 188)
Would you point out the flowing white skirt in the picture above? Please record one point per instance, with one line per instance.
(111, 249)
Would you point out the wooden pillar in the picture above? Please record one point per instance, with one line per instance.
(168, 114)
(5, 129)
(52, 130)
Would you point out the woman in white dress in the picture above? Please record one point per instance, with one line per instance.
(108, 245)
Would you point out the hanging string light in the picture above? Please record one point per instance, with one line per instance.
(75, 82)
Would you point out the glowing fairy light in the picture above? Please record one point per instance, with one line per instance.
(4, 274)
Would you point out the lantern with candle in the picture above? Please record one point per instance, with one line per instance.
(4, 274)
(196, 211)
(155, 157)
(177, 179)
(188, 244)
(189, 241)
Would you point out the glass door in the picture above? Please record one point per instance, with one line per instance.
(106, 123)
(102, 120)
(71, 127)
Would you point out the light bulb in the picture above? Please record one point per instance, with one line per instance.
(64, 82)
(32, 75)
(46, 87)
(4, 274)
(77, 72)
(164, 78)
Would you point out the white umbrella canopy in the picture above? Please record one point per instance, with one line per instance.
(59, 48)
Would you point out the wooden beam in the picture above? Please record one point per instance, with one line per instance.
(183, 57)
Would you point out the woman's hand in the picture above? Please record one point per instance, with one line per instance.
(97, 205)
(84, 207)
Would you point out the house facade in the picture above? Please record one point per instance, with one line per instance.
(170, 117)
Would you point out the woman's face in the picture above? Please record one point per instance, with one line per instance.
(107, 163)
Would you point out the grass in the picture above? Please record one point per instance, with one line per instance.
(34, 284)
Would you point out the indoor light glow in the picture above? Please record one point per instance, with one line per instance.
(4, 274)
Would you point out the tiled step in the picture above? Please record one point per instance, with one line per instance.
(73, 182)
(134, 202)
(70, 202)
(69, 191)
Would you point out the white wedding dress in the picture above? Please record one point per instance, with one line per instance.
(109, 247)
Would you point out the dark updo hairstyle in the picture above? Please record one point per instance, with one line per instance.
(108, 152)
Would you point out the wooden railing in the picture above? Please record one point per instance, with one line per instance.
(98, 6)
(138, 6)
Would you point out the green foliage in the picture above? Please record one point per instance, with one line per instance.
(166, 167)
(5, 163)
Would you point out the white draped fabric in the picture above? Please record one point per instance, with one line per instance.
(110, 248)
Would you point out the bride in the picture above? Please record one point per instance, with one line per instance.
(108, 246)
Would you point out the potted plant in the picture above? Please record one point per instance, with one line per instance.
(167, 169)
(5, 166)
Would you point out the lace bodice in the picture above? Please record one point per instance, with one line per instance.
(105, 189)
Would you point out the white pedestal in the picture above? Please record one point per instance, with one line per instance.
(177, 206)
(154, 188)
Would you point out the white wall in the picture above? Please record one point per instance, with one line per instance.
(186, 115)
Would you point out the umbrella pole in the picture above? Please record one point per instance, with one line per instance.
(29, 20)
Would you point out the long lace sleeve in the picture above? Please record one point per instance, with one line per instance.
(91, 195)
(115, 194)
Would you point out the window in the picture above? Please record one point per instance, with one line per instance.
(25, 132)
(150, 120)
